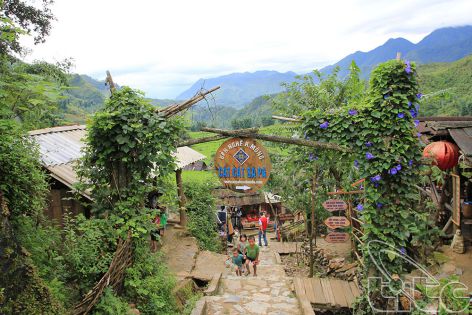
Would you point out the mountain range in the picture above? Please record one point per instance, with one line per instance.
(442, 45)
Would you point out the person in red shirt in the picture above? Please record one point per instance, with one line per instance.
(263, 223)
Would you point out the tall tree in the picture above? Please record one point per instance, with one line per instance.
(18, 18)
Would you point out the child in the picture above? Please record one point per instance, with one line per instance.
(242, 244)
(163, 221)
(237, 260)
(252, 255)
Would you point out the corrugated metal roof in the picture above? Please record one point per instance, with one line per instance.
(61, 146)
(58, 145)
(186, 156)
(463, 138)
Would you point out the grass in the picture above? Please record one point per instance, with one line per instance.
(209, 148)
(200, 177)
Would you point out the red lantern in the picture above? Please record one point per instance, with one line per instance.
(444, 153)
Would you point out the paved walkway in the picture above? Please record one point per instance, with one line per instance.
(271, 292)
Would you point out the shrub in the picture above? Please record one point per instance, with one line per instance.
(202, 216)
(149, 283)
(110, 304)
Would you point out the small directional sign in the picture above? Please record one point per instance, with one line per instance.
(334, 205)
(242, 165)
(337, 237)
(336, 222)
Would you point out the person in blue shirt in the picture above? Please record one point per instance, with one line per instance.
(237, 260)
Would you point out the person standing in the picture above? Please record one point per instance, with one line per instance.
(263, 223)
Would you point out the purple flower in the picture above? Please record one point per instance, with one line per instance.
(324, 125)
(361, 187)
(400, 115)
(413, 113)
(386, 96)
(398, 167)
(376, 185)
(393, 171)
(419, 95)
(369, 156)
(375, 178)
(356, 163)
(403, 251)
(311, 157)
(410, 162)
(418, 134)
(409, 104)
(352, 112)
(369, 144)
(417, 122)
(360, 207)
(408, 67)
(417, 107)
(379, 205)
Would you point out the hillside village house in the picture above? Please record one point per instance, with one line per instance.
(60, 148)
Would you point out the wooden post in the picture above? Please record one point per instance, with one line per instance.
(181, 195)
(110, 82)
(313, 226)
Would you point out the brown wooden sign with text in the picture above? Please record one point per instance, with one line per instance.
(336, 222)
(242, 164)
(337, 237)
(334, 205)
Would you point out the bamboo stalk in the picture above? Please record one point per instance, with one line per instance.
(353, 192)
(357, 220)
(200, 140)
(273, 138)
(286, 118)
(176, 108)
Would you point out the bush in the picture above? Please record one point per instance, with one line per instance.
(202, 216)
(110, 304)
(149, 283)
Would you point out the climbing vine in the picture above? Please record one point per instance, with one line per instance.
(379, 131)
(129, 146)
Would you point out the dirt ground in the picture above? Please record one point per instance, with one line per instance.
(180, 251)
(458, 264)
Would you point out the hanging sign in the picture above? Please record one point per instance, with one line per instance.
(336, 222)
(242, 164)
(334, 205)
(337, 237)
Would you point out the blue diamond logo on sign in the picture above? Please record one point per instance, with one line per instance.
(241, 156)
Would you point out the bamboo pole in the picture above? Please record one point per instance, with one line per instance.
(200, 140)
(313, 224)
(273, 138)
(286, 118)
(176, 108)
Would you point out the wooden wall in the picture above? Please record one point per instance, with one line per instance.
(61, 201)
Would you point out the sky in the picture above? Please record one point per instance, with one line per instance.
(163, 46)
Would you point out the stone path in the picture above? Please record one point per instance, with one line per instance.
(271, 292)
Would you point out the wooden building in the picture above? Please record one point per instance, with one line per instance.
(251, 204)
(60, 148)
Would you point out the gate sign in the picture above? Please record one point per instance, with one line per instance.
(336, 222)
(337, 237)
(242, 164)
(334, 205)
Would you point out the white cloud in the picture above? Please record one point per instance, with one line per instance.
(162, 47)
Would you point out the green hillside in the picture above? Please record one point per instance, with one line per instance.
(448, 88)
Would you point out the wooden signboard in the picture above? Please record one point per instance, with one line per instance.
(336, 222)
(242, 165)
(334, 205)
(337, 237)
